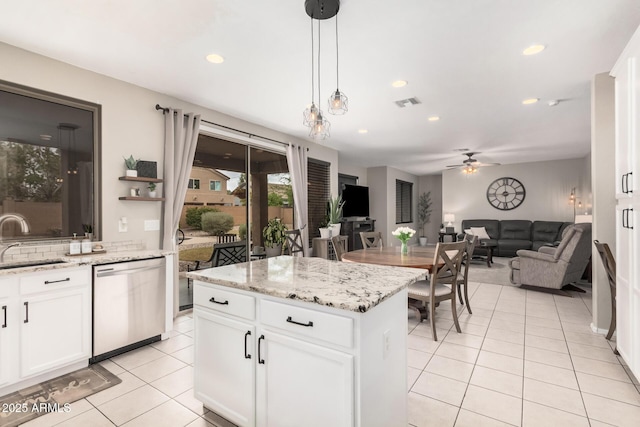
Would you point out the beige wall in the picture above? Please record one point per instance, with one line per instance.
(130, 125)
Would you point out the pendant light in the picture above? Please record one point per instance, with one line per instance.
(311, 113)
(338, 101)
(321, 127)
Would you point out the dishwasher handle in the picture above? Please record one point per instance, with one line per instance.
(113, 272)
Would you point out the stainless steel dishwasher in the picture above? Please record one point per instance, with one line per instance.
(128, 306)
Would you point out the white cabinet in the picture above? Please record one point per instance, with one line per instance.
(265, 361)
(225, 378)
(627, 92)
(48, 325)
(302, 384)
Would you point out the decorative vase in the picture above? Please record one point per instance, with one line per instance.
(275, 250)
(335, 229)
(325, 233)
(152, 194)
(404, 249)
(423, 241)
(131, 172)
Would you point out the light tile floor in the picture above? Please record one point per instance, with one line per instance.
(524, 358)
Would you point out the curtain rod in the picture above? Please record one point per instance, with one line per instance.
(166, 110)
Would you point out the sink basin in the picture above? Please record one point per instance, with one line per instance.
(29, 264)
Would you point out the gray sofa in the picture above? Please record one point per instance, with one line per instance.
(509, 236)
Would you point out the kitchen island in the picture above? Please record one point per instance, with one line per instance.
(290, 341)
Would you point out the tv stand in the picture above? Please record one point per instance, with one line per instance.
(351, 229)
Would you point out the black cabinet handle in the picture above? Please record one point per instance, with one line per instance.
(246, 356)
(309, 324)
(26, 312)
(260, 359)
(213, 300)
(4, 310)
(48, 282)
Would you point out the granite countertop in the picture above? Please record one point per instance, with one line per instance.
(344, 285)
(73, 261)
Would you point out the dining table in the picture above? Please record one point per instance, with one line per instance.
(416, 257)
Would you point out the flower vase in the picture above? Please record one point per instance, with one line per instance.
(404, 249)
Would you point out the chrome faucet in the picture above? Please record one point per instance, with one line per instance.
(24, 225)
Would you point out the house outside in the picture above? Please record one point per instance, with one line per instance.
(208, 187)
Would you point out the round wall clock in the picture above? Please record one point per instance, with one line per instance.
(506, 193)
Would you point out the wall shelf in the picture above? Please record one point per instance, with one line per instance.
(139, 179)
(143, 199)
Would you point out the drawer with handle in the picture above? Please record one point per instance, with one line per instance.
(228, 302)
(311, 323)
(55, 279)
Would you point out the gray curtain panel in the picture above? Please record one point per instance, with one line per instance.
(180, 141)
(297, 162)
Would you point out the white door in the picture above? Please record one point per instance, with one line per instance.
(225, 361)
(302, 384)
(55, 330)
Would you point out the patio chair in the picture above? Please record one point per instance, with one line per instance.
(293, 243)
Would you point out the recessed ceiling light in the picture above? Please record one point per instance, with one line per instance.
(45, 137)
(227, 154)
(399, 83)
(363, 131)
(530, 101)
(434, 118)
(214, 58)
(225, 157)
(533, 49)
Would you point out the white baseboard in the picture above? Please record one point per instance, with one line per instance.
(599, 330)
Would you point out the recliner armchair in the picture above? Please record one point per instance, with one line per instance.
(554, 267)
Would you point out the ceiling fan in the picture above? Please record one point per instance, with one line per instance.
(471, 165)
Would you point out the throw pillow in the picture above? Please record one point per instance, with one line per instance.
(481, 232)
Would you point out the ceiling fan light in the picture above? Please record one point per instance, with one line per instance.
(338, 103)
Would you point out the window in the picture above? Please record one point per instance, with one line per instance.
(404, 205)
(49, 164)
(194, 184)
(215, 185)
(317, 196)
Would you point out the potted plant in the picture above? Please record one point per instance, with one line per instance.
(152, 189)
(335, 215)
(131, 164)
(325, 231)
(274, 236)
(424, 215)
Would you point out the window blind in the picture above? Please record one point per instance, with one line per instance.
(319, 193)
(404, 190)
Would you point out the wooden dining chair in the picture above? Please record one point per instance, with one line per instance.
(293, 243)
(463, 275)
(339, 246)
(442, 283)
(609, 263)
(371, 239)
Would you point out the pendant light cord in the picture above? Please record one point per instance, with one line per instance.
(337, 57)
(312, 64)
(319, 40)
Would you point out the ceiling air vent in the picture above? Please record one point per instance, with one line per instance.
(408, 102)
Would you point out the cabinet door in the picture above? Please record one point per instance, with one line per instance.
(625, 125)
(8, 337)
(55, 329)
(302, 384)
(225, 366)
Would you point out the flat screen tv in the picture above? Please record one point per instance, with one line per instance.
(356, 201)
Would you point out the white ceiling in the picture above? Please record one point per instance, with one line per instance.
(462, 59)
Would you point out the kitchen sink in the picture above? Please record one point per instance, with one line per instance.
(29, 264)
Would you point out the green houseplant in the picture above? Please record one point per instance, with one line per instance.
(131, 164)
(424, 215)
(152, 189)
(335, 214)
(274, 236)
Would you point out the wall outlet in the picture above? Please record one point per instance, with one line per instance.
(386, 343)
(152, 225)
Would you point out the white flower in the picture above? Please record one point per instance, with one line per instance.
(403, 233)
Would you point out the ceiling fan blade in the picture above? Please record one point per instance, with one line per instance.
(455, 166)
(487, 164)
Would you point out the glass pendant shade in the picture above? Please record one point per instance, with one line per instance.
(338, 103)
(321, 128)
(469, 170)
(310, 115)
